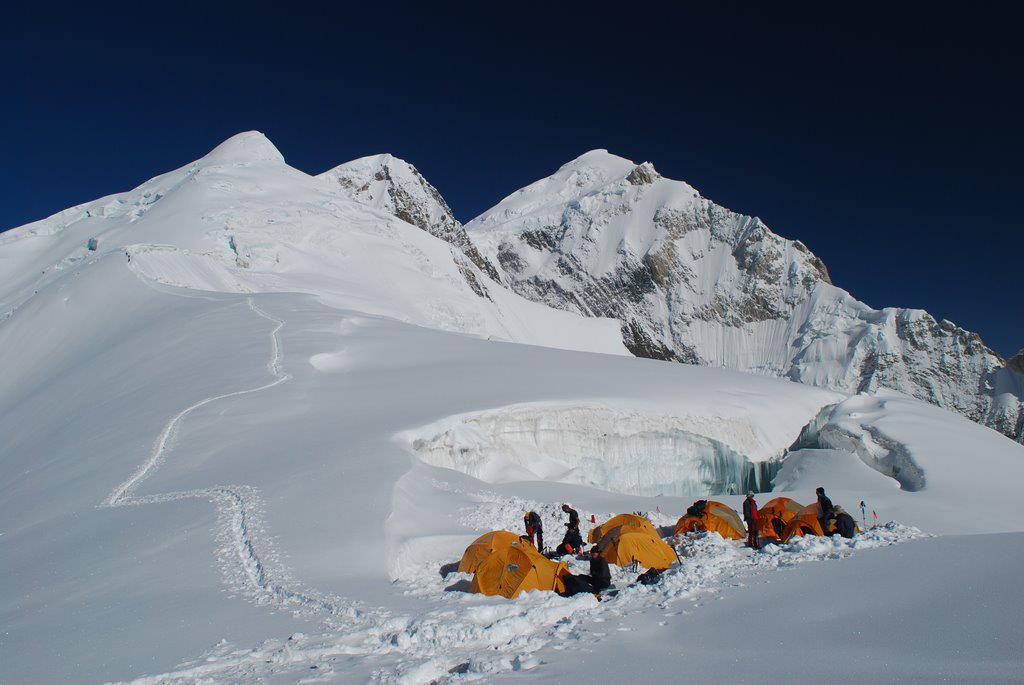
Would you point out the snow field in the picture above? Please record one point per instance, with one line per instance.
(467, 638)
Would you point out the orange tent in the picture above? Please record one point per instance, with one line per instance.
(483, 546)
(627, 520)
(805, 523)
(625, 544)
(718, 518)
(781, 507)
(519, 567)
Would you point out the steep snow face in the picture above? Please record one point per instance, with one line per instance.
(241, 220)
(395, 186)
(616, 450)
(693, 282)
(921, 464)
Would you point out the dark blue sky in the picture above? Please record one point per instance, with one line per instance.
(890, 143)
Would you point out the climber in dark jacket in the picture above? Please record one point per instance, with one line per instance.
(825, 510)
(845, 525)
(750, 516)
(574, 517)
(572, 541)
(600, 575)
(534, 527)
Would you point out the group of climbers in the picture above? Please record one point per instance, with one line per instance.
(778, 520)
(787, 518)
(507, 564)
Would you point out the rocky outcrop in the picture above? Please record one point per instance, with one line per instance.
(396, 187)
(691, 281)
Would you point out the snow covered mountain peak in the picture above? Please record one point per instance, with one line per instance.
(694, 282)
(392, 185)
(363, 238)
(243, 148)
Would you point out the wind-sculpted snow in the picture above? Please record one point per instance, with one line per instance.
(691, 281)
(615, 450)
(921, 464)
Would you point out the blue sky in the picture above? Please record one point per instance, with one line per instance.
(889, 143)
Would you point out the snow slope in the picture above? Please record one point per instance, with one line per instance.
(225, 459)
(871, 618)
(241, 220)
(694, 282)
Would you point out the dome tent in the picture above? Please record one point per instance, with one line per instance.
(805, 523)
(627, 520)
(483, 547)
(713, 516)
(517, 568)
(624, 544)
(781, 507)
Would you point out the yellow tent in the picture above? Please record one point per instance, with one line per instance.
(483, 546)
(717, 517)
(519, 567)
(627, 520)
(625, 544)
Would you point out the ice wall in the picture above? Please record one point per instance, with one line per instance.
(836, 428)
(612, 449)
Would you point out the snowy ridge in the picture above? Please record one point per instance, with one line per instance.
(396, 187)
(241, 220)
(691, 281)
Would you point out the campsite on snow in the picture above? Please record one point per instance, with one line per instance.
(346, 438)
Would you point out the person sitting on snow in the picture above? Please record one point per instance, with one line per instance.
(534, 527)
(750, 516)
(845, 525)
(600, 576)
(826, 512)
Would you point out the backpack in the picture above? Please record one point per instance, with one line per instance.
(651, 576)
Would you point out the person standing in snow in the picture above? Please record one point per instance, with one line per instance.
(750, 516)
(574, 519)
(826, 512)
(845, 525)
(573, 541)
(534, 527)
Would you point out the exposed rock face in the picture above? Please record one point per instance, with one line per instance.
(697, 283)
(1016, 362)
(395, 186)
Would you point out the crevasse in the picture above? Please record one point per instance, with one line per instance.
(616, 450)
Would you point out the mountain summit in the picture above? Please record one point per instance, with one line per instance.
(694, 282)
